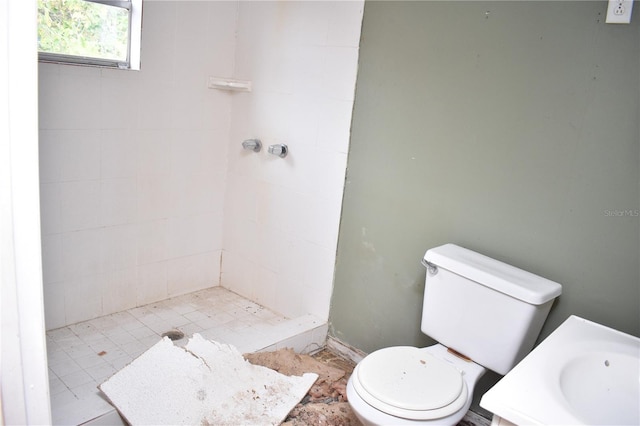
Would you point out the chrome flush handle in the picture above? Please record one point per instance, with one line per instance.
(431, 268)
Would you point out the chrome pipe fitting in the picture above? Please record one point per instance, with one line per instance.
(252, 144)
(280, 150)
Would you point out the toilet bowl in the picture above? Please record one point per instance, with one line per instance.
(414, 386)
(487, 310)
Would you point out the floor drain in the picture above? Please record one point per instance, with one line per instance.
(173, 334)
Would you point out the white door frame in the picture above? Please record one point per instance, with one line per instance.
(23, 355)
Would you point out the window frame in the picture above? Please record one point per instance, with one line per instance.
(134, 7)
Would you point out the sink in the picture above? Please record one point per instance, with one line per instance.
(612, 383)
(583, 373)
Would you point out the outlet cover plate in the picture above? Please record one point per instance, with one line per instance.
(619, 11)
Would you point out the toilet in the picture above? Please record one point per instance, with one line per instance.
(484, 314)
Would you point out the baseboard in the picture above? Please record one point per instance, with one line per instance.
(341, 348)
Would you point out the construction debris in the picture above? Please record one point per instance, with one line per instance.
(286, 361)
(322, 414)
(326, 402)
(206, 383)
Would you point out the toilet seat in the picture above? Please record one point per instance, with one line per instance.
(407, 382)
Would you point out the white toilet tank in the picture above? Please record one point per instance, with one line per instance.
(482, 308)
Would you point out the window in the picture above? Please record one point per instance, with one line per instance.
(90, 32)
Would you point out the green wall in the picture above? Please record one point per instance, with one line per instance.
(510, 128)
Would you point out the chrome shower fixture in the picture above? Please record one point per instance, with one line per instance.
(252, 144)
(280, 150)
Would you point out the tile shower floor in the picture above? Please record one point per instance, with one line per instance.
(83, 355)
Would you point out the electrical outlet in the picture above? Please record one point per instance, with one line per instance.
(619, 11)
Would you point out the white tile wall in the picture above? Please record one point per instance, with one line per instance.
(282, 215)
(143, 179)
(133, 168)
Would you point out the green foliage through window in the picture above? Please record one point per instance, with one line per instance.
(83, 29)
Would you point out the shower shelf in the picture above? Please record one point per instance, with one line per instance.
(229, 84)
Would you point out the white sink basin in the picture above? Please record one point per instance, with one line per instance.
(583, 373)
(613, 388)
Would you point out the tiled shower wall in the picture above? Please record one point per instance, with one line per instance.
(135, 165)
(132, 167)
(282, 214)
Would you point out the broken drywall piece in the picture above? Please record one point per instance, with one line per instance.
(204, 383)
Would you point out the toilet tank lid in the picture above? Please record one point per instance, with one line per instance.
(494, 274)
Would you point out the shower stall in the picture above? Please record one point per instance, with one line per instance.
(154, 217)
